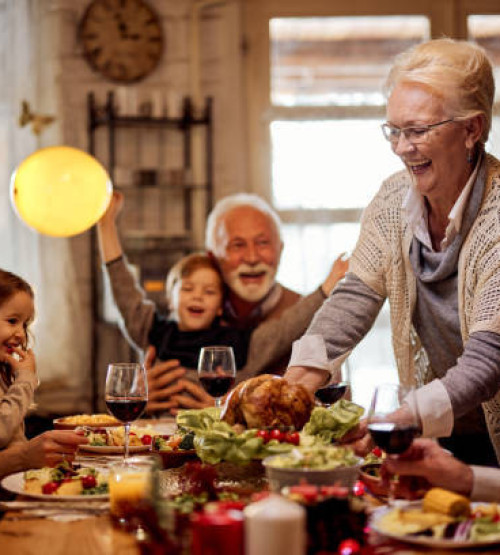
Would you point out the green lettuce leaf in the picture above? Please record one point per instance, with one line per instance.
(334, 422)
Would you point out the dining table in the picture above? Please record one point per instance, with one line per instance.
(38, 527)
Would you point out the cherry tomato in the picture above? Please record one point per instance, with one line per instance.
(349, 547)
(358, 488)
(89, 482)
(50, 487)
(307, 492)
(277, 435)
(146, 439)
(265, 435)
(293, 438)
(377, 452)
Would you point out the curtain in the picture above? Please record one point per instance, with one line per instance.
(62, 328)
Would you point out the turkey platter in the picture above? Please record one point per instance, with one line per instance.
(268, 401)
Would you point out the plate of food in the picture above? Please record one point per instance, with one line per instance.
(86, 421)
(65, 481)
(442, 519)
(175, 449)
(111, 441)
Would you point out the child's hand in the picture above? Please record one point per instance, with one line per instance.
(21, 359)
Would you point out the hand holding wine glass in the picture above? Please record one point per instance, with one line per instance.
(126, 394)
(392, 425)
(217, 371)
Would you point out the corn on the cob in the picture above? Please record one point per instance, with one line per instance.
(442, 501)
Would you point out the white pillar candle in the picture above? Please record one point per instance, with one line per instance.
(275, 526)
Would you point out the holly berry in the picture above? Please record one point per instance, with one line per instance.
(349, 547)
(265, 435)
(146, 439)
(89, 482)
(277, 434)
(50, 487)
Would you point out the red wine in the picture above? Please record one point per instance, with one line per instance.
(216, 386)
(331, 393)
(392, 438)
(126, 410)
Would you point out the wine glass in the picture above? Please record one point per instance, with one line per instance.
(334, 391)
(126, 394)
(217, 371)
(391, 428)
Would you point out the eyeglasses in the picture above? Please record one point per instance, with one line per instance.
(414, 135)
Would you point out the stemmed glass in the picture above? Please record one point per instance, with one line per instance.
(126, 394)
(217, 371)
(391, 428)
(334, 391)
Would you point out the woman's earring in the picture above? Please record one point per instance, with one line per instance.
(470, 157)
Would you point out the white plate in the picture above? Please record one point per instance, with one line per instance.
(15, 484)
(114, 449)
(424, 540)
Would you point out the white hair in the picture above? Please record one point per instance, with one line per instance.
(215, 231)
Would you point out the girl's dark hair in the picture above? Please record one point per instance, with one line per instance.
(10, 284)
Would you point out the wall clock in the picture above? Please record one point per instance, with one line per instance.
(121, 39)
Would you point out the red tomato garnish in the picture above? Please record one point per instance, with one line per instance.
(293, 438)
(89, 482)
(278, 435)
(377, 452)
(146, 439)
(50, 487)
(265, 435)
(349, 547)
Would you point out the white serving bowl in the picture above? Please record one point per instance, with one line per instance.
(280, 477)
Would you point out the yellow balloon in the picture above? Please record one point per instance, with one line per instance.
(60, 191)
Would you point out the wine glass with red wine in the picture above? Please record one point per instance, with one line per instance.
(126, 394)
(334, 391)
(391, 429)
(217, 371)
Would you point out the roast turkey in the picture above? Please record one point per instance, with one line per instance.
(268, 401)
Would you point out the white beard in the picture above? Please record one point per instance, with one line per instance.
(251, 292)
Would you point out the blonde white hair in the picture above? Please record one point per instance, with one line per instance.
(215, 232)
(457, 71)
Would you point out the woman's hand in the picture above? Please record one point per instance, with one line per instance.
(163, 382)
(198, 398)
(25, 360)
(51, 448)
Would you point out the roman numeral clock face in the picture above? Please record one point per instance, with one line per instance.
(121, 39)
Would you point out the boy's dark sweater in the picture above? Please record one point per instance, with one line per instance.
(172, 343)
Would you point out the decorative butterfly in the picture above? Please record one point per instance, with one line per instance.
(38, 121)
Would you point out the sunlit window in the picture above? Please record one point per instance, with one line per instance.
(485, 30)
(328, 156)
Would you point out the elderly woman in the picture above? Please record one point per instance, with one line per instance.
(430, 243)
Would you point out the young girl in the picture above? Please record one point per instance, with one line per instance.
(18, 381)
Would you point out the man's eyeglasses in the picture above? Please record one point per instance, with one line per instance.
(414, 135)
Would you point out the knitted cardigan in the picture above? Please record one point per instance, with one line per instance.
(381, 260)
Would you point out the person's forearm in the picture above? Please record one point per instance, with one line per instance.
(346, 316)
(109, 241)
(13, 460)
(476, 376)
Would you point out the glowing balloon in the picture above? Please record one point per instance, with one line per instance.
(60, 191)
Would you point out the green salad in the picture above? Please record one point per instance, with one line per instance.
(316, 458)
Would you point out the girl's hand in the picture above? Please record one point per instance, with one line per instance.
(52, 448)
(25, 360)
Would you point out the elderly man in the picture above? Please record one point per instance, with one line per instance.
(243, 234)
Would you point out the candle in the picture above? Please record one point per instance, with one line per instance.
(275, 526)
